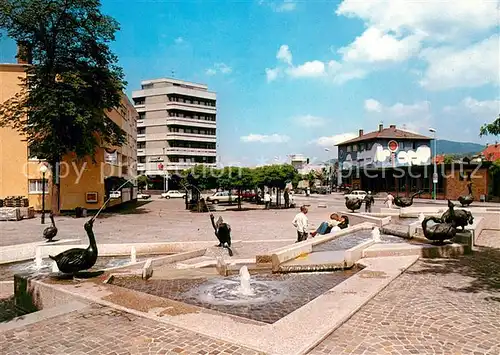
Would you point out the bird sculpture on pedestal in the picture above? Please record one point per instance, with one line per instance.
(353, 203)
(466, 200)
(50, 232)
(406, 201)
(74, 260)
(439, 231)
(222, 232)
(459, 218)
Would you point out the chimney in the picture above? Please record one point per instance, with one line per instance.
(380, 127)
(360, 132)
(23, 53)
(392, 126)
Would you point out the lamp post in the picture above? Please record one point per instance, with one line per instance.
(43, 170)
(329, 179)
(435, 174)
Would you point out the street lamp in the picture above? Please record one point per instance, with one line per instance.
(434, 175)
(43, 170)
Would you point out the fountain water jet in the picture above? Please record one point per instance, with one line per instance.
(133, 255)
(421, 217)
(245, 287)
(376, 235)
(38, 258)
(55, 269)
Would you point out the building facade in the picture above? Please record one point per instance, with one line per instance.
(176, 129)
(388, 159)
(83, 182)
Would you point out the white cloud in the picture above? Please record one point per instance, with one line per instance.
(179, 40)
(307, 70)
(399, 109)
(333, 140)
(219, 68)
(210, 72)
(481, 109)
(280, 6)
(284, 54)
(443, 20)
(375, 46)
(372, 105)
(474, 66)
(310, 121)
(272, 74)
(260, 138)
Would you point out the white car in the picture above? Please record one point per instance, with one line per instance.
(222, 196)
(173, 194)
(359, 194)
(142, 196)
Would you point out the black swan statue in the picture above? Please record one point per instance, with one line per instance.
(222, 232)
(439, 231)
(345, 223)
(353, 203)
(50, 232)
(406, 201)
(466, 200)
(74, 260)
(459, 218)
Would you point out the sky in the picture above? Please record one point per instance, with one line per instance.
(298, 77)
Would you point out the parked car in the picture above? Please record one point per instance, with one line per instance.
(248, 195)
(359, 194)
(222, 196)
(173, 194)
(142, 196)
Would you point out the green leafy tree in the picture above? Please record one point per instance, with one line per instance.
(491, 128)
(72, 82)
(242, 179)
(142, 182)
(205, 178)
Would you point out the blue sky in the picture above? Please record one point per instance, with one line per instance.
(296, 76)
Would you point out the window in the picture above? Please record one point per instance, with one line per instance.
(349, 149)
(35, 186)
(139, 101)
(142, 115)
(141, 160)
(141, 145)
(141, 130)
(355, 148)
(361, 147)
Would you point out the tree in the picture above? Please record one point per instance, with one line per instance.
(74, 80)
(142, 182)
(242, 179)
(491, 128)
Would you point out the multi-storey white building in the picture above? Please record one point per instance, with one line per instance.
(176, 128)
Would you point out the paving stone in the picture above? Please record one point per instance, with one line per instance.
(438, 306)
(101, 330)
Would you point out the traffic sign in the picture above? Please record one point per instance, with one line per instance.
(435, 178)
(393, 146)
(160, 166)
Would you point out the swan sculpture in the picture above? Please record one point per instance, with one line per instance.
(440, 231)
(466, 200)
(406, 201)
(222, 232)
(459, 218)
(50, 232)
(74, 260)
(353, 203)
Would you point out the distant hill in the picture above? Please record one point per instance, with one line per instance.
(451, 147)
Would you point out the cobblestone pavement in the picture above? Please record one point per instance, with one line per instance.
(441, 306)
(275, 295)
(100, 330)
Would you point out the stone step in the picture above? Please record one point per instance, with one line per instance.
(200, 261)
(316, 261)
(422, 250)
(396, 229)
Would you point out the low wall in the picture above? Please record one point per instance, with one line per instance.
(281, 255)
(6, 289)
(27, 251)
(357, 218)
(351, 256)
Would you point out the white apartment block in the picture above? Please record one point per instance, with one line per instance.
(176, 128)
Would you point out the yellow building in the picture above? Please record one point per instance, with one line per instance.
(83, 183)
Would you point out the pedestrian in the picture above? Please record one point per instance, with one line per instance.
(369, 200)
(389, 200)
(301, 222)
(286, 196)
(267, 200)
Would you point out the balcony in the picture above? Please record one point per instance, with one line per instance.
(192, 151)
(175, 90)
(191, 137)
(149, 122)
(141, 166)
(183, 121)
(141, 137)
(141, 151)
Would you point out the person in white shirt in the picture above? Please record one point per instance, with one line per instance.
(267, 200)
(389, 199)
(301, 222)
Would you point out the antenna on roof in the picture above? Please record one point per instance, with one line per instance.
(173, 74)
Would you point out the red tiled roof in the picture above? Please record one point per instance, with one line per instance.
(387, 133)
(492, 152)
(439, 159)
